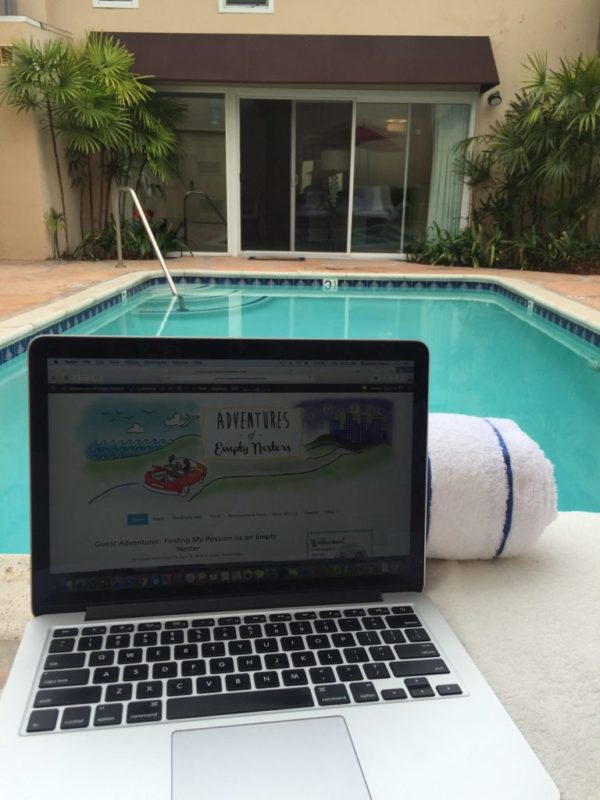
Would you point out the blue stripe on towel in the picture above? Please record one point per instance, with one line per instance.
(428, 497)
(509, 495)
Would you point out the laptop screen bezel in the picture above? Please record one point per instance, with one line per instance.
(45, 597)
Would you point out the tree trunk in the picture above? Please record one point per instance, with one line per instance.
(58, 172)
(91, 194)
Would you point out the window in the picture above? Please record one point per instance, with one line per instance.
(115, 3)
(247, 6)
(5, 55)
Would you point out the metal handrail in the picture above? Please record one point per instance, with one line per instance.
(197, 192)
(152, 239)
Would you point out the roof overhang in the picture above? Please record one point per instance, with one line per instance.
(249, 59)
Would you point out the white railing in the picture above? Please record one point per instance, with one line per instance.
(151, 238)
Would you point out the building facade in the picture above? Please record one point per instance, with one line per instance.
(311, 126)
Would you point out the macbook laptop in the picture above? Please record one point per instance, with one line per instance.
(228, 563)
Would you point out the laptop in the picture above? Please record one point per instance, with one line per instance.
(228, 563)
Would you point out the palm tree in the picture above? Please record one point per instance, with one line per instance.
(43, 77)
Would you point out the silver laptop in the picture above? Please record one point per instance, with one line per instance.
(228, 558)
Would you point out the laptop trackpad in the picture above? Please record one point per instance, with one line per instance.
(294, 760)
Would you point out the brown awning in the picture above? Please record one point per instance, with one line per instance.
(244, 59)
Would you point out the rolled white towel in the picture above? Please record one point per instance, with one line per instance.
(491, 490)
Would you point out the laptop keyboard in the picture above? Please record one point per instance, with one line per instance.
(100, 675)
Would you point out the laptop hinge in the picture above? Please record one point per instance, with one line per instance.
(242, 602)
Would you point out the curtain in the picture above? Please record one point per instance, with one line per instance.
(450, 126)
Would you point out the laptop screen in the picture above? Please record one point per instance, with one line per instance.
(191, 471)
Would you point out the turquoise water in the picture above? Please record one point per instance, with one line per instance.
(488, 357)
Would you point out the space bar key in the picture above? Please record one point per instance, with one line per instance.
(239, 702)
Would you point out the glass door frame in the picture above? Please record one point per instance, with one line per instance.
(233, 96)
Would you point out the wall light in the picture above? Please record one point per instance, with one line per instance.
(495, 98)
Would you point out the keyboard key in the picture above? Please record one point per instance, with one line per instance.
(446, 689)
(351, 624)
(239, 702)
(185, 651)
(62, 677)
(172, 637)
(198, 635)
(290, 643)
(250, 631)
(73, 696)
(373, 623)
(61, 633)
(301, 628)
(136, 673)
(379, 611)
(329, 656)
(402, 609)
(106, 675)
(65, 661)
(419, 687)
(130, 655)
(149, 690)
(276, 629)
(40, 721)
(62, 646)
(193, 668)
(354, 655)
(325, 626)
(367, 638)
(144, 712)
(417, 635)
(375, 672)
(305, 615)
(394, 694)
(404, 621)
(330, 613)
(428, 666)
(294, 677)
(354, 612)
(363, 692)
(229, 621)
(213, 649)
(149, 626)
(280, 617)
(158, 654)
(77, 717)
(305, 658)
(206, 622)
(343, 640)
(117, 640)
(237, 682)
(121, 628)
(276, 661)
(393, 637)
(173, 624)
(332, 694)
(349, 672)
(218, 666)
(117, 692)
(145, 639)
(251, 619)
(249, 663)
(224, 633)
(179, 686)
(208, 685)
(266, 645)
(239, 647)
(94, 630)
(318, 642)
(265, 680)
(165, 669)
(101, 658)
(419, 650)
(110, 714)
(322, 675)
(382, 653)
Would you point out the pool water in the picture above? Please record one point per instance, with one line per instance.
(488, 357)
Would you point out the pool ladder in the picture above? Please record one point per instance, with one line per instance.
(115, 199)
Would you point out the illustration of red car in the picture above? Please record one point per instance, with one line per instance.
(176, 477)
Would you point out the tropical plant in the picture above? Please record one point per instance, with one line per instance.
(44, 77)
(55, 222)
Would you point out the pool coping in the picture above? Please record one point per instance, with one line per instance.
(59, 315)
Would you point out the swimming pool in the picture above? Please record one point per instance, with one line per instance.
(490, 355)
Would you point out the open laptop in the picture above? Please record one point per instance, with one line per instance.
(228, 551)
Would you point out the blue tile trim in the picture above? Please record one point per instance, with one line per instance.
(19, 347)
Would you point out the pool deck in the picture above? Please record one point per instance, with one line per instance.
(29, 286)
